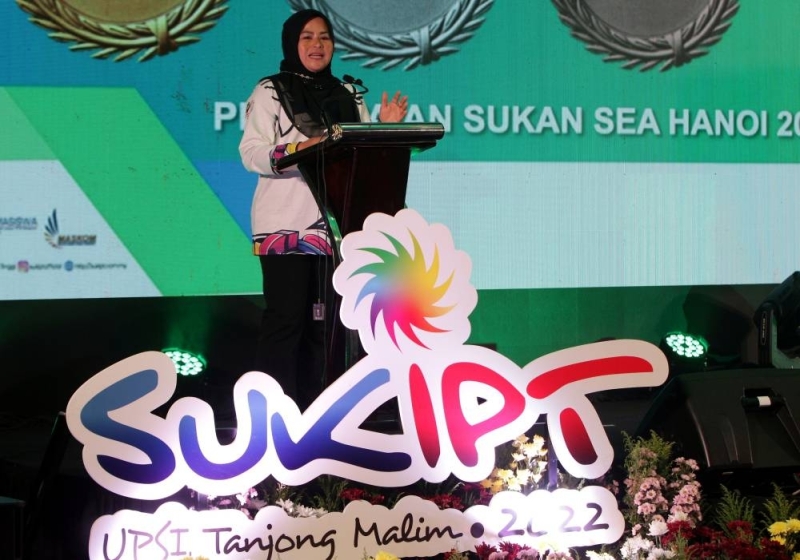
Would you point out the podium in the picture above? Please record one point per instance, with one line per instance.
(360, 169)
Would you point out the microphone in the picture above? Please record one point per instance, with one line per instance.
(360, 90)
(355, 82)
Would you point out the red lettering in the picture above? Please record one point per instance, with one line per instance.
(424, 418)
(463, 434)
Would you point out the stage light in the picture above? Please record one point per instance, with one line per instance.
(186, 363)
(685, 352)
(778, 322)
(686, 345)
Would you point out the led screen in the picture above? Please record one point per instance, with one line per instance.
(589, 143)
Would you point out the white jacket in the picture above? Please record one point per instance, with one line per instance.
(284, 216)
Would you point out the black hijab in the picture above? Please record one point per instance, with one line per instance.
(313, 100)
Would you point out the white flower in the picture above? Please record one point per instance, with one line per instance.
(591, 555)
(658, 553)
(657, 528)
(633, 546)
(678, 515)
(304, 511)
(285, 505)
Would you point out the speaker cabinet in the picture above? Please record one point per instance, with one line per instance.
(732, 421)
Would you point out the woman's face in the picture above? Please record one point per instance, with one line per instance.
(315, 46)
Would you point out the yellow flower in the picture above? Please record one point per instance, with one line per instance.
(530, 450)
(504, 474)
(780, 540)
(778, 528)
(796, 556)
(385, 556)
(794, 525)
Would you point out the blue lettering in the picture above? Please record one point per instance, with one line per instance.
(318, 444)
(256, 447)
(95, 417)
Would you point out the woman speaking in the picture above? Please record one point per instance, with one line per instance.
(287, 112)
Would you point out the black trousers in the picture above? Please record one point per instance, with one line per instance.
(293, 344)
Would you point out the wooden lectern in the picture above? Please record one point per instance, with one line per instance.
(360, 169)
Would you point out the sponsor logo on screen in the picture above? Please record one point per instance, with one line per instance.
(18, 223)
(55, 238)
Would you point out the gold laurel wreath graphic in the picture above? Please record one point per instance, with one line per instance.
(672, 50)
(419, 47)
(158, 36)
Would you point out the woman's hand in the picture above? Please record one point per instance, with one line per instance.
(310, 142)
(393, 110)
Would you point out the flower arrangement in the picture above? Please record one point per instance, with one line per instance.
(787, 534)
(661, 502)
(506, 551)
(525, 471)
(663, 499)
(659, 489)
